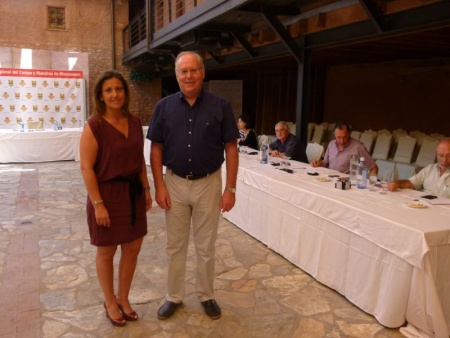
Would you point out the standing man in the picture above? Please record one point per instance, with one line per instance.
(189, 131)
(339, 151)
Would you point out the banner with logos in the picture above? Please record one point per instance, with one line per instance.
(41, 95)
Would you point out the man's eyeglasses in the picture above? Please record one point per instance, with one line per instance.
(280, 130)
(184, 72)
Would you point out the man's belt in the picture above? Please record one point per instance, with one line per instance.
(190, 177)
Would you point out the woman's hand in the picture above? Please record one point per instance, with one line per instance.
(102, 215)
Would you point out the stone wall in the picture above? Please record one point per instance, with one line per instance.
(88, 31)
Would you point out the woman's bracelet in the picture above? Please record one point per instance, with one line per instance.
(97, 202)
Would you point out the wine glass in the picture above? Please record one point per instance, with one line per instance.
(285, 161)
(384, 185)
(373, 181)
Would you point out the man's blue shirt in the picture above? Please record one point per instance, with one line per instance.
(193, 137)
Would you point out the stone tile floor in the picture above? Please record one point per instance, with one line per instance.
(48, 284)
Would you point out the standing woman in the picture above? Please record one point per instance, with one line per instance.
(115, 175)
(248, 135)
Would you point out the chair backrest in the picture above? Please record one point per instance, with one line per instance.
(319, 132)
(262, 139)
(372, 132)
(311, 127)
(293, 129)
(437, 136)
(355, 134)
(405, 148)
(367, 140)
(382, 146)
(314, 151)
(419, 137)
(427, 152)
(384, 132)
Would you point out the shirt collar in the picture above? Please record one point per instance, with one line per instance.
(198, 99)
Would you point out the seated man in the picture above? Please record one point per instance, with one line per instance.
(287, 144)
(339, 151)
(433, 178)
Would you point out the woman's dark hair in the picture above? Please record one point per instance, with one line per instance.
(247, 120)
(99, 105)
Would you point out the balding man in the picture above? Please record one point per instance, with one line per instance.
(433, 177)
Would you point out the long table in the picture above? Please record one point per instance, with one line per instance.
(39, 146)
(390, 260)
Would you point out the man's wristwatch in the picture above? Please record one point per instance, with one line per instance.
(230, 189)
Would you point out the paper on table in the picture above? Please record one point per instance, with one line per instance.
(439, 201)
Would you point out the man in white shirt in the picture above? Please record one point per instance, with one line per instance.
(433, 178)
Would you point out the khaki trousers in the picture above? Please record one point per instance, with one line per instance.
(197, 203)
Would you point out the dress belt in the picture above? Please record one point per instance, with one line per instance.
(189, 177)
(134, 189)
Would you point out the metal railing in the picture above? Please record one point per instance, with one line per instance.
(162, 13)
(135, 31)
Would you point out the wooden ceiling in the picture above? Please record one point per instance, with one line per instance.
(277, 33)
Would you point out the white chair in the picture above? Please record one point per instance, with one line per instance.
(290, 124)
(397, 133)
(405, 149)
(329, 133)
(355, 134)
(437, 136)
(419, 137)
(293, 129)
(262, 139)
(367, 140)
(427, 152)
(382, 146)
(373, 132)
(314, 151)
(318, 135)
(384, 132)
(311, 127)
(386, 170)
(414, 133)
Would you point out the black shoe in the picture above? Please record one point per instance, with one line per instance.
(167, 310)
(212, 309)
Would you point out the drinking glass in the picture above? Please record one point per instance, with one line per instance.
(285, 161)
(384, 185)
(373, 181)
(243, 149)
(354, 161)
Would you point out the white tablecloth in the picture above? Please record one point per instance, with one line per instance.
(39, 146)
(390, 260)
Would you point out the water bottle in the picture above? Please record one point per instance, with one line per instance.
(55, 126)
(354, 161)
(361, 178)
(22, 127)
(264, 153)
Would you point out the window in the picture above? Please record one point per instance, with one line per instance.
(56, 17)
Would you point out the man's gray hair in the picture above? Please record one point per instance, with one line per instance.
(197, 55)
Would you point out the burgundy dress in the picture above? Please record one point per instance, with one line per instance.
(117, 167)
